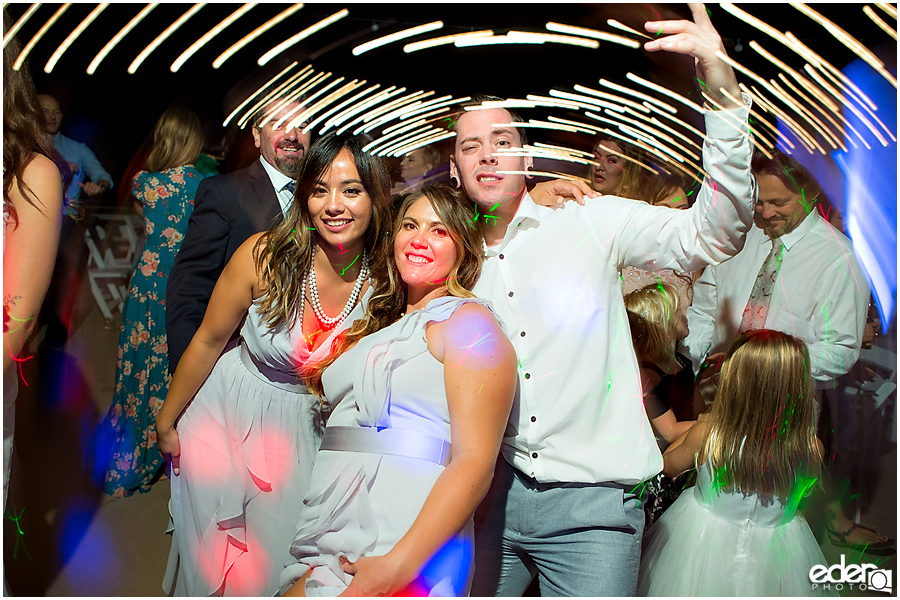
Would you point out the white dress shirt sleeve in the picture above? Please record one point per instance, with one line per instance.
(713, 230)
(839, 320)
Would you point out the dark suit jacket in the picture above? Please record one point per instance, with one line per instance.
(228, 209)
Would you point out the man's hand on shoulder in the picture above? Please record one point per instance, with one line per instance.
(699, 39)
(559, 191)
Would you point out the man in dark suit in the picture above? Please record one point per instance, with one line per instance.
(228, 209)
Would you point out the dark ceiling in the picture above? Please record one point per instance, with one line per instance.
(119, 109)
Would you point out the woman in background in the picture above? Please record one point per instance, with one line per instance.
(164, 196)
(417, 168)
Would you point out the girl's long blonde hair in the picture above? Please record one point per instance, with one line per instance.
(388, 301)
(761, 432)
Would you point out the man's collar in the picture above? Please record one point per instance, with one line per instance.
(528, 211)
(795, 235)
(278, 179)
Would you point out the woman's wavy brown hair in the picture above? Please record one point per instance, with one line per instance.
(24, 130)
(177, 139)
(761, 432)
(388, 301)
(285, 252)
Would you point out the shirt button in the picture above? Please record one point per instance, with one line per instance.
(501, 256)
(522, 334)
(533, 419)
(511, 294)
(534, 455)
(527, 375)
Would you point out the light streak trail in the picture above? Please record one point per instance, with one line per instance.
(820, 62)
(655, 152)
(621, 26)
(592, 33)
(659, 134)
(288, 97)
(446, 39)
(408, 140)
(785, 99)
(146, 52)
(677, 120)
(810, 118)
(824, 113)
(257, 92)
(400, 35)
(220, 60)
(599, 94)
(888, 8)
(746, 17)
(73, 36)
(666, 92)
(338, 108)
(323, 103)
(846, 103)
(636, 94)
(664, 127)
(301, 36)
(563, 149)
(118, 37)
(292, 80)
(18, 25)
(37, 37)
(802, 80)
(738, 124)
(799, 132)
(210, 35)
(586, 101)
(441, 135)
(760, 118)
(845, 38)
(879, 21)
(307, 104)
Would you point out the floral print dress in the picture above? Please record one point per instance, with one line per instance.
(142, 368)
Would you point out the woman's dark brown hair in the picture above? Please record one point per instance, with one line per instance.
(23, 126)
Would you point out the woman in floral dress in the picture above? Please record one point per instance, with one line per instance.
(166, 195)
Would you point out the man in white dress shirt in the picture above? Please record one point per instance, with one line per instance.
(563, 503)
(820, 294)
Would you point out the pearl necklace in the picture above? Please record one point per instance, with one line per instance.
(309, 281)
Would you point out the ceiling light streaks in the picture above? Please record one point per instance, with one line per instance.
(37, 36)
(73, 36)
(118, 37)
(220, 60)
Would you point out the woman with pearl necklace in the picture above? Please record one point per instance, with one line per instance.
(240, 428)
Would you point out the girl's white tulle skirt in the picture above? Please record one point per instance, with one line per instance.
(692, 552)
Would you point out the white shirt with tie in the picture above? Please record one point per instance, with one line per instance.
(820, 296)
(279, 182)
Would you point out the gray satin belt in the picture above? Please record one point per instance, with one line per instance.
(289, 382)
(394, 442)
